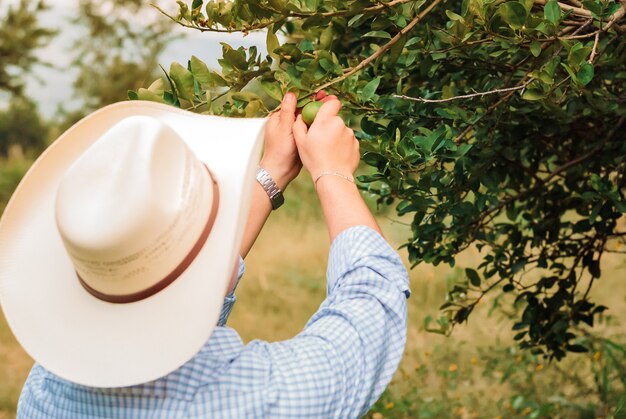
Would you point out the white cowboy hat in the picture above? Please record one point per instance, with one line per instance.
(118, 245)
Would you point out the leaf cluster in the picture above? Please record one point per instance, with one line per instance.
(486, 123)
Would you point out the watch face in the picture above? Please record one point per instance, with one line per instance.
(277, 200)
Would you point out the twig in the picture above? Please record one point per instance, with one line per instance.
(594, 50)
(382, 49)
(489, 92)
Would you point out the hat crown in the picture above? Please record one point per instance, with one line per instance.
(128, 179)
(136, 195)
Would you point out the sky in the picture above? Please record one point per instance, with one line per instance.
(51, 86)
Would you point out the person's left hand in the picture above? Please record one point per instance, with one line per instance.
(281, 157)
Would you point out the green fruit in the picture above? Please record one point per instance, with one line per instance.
(310, 111)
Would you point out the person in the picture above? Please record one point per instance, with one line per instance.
(336, 367)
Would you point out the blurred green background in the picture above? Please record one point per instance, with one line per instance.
(52, 75)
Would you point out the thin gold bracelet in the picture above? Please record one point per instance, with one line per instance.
(349, 179)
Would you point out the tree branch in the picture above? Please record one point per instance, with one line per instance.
(382, 49)
(472, 95)
(594, 50)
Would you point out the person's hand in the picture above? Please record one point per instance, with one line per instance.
(281, 157)
(328, 145)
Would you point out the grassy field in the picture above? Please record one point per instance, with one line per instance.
(472, 374)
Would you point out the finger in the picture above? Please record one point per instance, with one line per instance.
(299, 129)
(320, 95)
(329, 109)
(331, 97)
(288, 108)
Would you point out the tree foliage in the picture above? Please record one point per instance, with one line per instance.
(119, 50)
(21, 34)
(21, 126)
(488, 123)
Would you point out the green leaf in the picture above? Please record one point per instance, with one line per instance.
(514, 14)
(473, 277)
(271, 41)
(146, 94)
(157, 87)
(196, 4)
(552, 11)
(535, 49)
(577, 55)
(585, 74)
(378, 34)
(577, 348)
(354, 19)
(200, 70)
(272, 89)
(453, 16)
(183, 79)
(370, 89)
(132, 95)
(533, 94)
(234, 58)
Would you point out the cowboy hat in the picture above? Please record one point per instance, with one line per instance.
(118, 245)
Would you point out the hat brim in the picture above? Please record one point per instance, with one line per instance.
(99, 344)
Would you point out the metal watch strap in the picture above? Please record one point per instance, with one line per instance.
(270, 187)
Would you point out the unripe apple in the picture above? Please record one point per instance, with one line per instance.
(310, 111)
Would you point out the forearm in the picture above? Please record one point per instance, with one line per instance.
(261, 206)
(260, 210)
(343, 206)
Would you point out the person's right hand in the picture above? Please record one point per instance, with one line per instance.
(328, 145)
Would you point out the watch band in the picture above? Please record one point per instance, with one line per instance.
(270, 187)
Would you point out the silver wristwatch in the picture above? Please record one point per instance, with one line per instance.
(268, 184)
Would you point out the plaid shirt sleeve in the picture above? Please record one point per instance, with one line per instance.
(230, 299)
(346, 355)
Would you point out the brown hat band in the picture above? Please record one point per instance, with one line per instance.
(172, 276)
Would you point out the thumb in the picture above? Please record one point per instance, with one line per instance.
(299, 129)
(329, 109)
(288, 108)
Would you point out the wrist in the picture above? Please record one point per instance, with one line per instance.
(282, 175)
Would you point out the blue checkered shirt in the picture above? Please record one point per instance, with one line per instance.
(337, 367)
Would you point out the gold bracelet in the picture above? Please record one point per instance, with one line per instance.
(349, 179)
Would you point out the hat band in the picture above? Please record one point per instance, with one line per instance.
(172, 276)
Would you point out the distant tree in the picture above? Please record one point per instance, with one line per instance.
(21, 126)
(21, 34)
(118, 50)
(489, 123)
